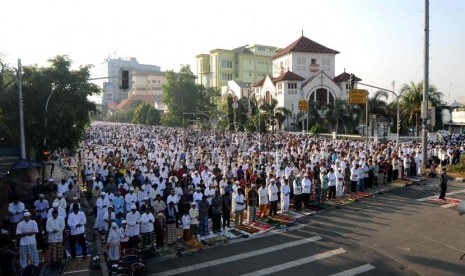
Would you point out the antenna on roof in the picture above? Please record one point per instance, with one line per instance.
(344, 69)
(302, 32)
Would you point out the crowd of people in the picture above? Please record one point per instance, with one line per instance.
(147, 182)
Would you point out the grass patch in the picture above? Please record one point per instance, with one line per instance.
(457, 170)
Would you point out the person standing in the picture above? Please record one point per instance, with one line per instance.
(171, 215)
(55, 226)
(443, 184)
(306, 190)
(124, 235)
(114, 243)
(332, 184)
(133, 221)
(262, 200)
(15, 210)
(285, 198)
(273, 196)
(226, 211)
(252, 200)
(297, 189)
(146, 228)
(203, 216)
(27, 230)
(76, 222)
(324, 186)
(239, 199)
(216, 207)
(194, 215)
(186, 226)
(160, 227)
(41, 206)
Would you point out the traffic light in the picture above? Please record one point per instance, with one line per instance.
(352, 81)
(399, 125)
(124, 79)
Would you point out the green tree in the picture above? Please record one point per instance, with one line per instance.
(146, 114)
(281, 115)
(410, 102)
(182, 95)
(377, 106)
(69, 110)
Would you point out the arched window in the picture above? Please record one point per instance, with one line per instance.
(321, 96)
(267, 97)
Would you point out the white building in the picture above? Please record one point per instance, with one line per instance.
(115, 66)
(303, 70)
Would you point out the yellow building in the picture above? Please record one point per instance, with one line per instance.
(248, 64)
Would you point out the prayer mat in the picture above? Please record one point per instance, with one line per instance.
(194, 244)
(233, 234)
(246, 228)
(449, 200)
(178, 233)
(281, 218)
(296, 214)
(214, 240)
(262, 226)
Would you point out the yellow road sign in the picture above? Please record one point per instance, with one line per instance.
(358, 96)
(303, 105)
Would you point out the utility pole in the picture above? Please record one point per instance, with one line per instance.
(424, 104)
(22, 138)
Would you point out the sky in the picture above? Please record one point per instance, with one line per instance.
(380, 41)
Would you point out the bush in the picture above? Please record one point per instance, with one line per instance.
(317, 129)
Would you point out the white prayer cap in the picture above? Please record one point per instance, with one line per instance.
(133, 207)
(59, 194)
(27, 214)
(55, 205)
(102, 193)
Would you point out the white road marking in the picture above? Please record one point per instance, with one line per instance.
(355, 271)
(238, 256)
(448, 194)
(298, 262)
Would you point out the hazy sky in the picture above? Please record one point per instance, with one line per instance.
(379, 40)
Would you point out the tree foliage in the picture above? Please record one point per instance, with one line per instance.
(68, 112)
(146, 114)
(182, 95)
(410, 102)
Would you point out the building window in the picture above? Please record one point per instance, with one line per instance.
(226, 77)
(313, 60)
(291, 85)
(226, 64)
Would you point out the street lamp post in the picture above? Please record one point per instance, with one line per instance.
(45, 115)
(398, 108)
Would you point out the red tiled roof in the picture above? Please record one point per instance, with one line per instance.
(304, 44)
(288, 76)
(344, 77)
(259, 83)
(150, 99)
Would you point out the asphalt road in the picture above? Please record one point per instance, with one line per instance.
(403, 232)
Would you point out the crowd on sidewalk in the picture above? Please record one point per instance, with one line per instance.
(149, 182)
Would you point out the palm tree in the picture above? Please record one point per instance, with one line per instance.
(412, 96)
(377, 106)
(269, 110)
(281, 115)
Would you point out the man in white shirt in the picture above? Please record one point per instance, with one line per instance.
(285, 198)
(273, 197)
(55, 227)
(306, 190)
(41, 206)
(133, 221)
(76, 222)
(239, 199)
(146, 228)
(332, 184)
(55, 207)
(27, 230)
(61, 201)
(15, 210)
(130, 199)
(262, 200)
